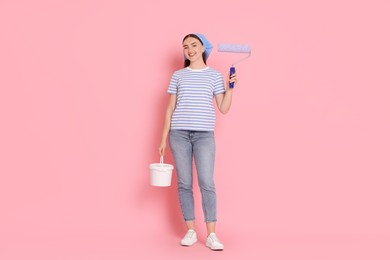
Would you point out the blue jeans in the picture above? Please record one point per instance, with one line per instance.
(199, 145)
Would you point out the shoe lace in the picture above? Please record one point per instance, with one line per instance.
(189, 234)
(214, 238)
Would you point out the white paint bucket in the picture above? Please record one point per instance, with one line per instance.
(161, 173)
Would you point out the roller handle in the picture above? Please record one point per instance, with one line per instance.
(232, 71)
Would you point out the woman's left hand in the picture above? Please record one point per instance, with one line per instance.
(232, 79)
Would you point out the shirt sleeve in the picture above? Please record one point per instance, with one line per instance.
(173, 85)
(219, 87)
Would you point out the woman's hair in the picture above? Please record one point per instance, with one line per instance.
(187, 62)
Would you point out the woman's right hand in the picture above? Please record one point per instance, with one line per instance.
(161, 149)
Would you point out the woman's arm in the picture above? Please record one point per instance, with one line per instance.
(224, 100)
(167, 123)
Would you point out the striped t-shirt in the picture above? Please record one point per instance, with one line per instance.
(195, 90)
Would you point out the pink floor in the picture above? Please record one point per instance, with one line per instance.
(156, 246)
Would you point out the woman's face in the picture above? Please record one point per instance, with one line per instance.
(193, 49)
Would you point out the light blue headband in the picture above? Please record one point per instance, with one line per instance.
(207, 45)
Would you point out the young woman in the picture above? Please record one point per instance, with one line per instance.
(190, 121)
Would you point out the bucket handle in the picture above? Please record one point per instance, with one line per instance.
(161, 159)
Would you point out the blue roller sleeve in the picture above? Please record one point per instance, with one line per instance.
(232, 71)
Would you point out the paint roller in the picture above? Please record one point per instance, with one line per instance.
(235, 48)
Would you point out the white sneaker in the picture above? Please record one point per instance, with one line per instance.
(189, 239)
(213, 242)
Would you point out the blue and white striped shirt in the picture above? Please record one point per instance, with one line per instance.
(195, 90)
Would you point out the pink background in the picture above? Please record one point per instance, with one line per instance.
(302, 167)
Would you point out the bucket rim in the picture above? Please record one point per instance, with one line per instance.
(161, 166)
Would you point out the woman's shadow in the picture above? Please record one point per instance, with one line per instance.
(167, 196)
